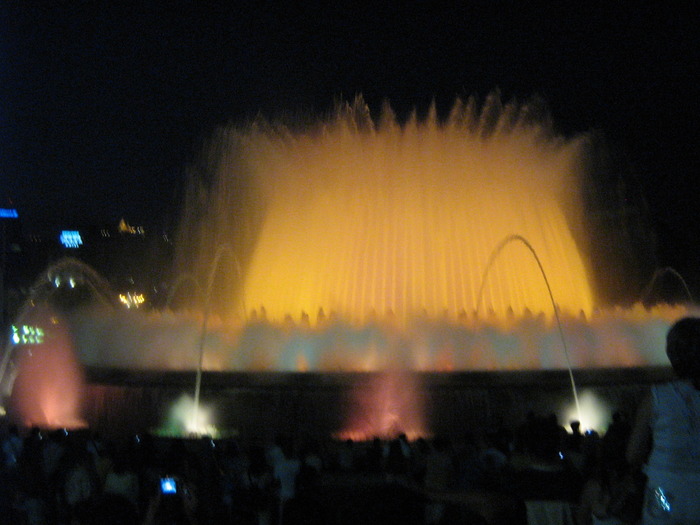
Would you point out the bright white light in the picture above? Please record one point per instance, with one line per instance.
(181, 419)
(662, 500)
(595, 414)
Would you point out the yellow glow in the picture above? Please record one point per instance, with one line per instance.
(132, 300)
(365, 219)
(125, 227)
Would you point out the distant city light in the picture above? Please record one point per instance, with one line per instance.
(27, 335)
(125, 227)
(132, 300)
(71, 238)
(8, 213)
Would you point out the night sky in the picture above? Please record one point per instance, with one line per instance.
(103, 105)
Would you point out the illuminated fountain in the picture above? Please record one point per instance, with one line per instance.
(363, 219)
(369, 245)
(362, 245)
(356, 245)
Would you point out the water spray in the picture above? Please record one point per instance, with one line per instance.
(494, 255)
(223, 248)
(646, 294)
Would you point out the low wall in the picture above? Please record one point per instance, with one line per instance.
(256, 406)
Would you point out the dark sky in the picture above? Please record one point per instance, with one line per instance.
(103, 104)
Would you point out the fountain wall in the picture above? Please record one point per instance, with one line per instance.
(365, 218)
(257, 406)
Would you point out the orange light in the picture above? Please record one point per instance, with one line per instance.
(364, 219)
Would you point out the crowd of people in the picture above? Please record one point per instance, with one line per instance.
(641, 472)
(61, 477)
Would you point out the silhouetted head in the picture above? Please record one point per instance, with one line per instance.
(683, 349)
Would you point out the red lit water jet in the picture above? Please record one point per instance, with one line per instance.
(386, 406)
(48, 388)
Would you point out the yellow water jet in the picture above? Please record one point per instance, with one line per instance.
(356, 217)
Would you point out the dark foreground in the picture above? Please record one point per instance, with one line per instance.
(486, 476)
(496, 453)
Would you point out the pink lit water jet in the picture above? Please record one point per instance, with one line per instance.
(386, 406)
(48, 388)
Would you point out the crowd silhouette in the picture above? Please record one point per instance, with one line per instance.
(485, 476)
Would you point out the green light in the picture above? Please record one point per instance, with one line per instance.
(27, 335)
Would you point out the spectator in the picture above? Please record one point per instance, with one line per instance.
(666, 434)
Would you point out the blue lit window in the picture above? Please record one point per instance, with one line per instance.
(8, 213)
(71, 238)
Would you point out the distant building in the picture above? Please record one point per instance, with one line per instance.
(135, 262)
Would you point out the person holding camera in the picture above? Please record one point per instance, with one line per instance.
(173, 503)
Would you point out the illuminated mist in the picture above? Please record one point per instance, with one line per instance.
(386, 406)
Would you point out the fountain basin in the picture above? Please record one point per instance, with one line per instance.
(257, 406)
